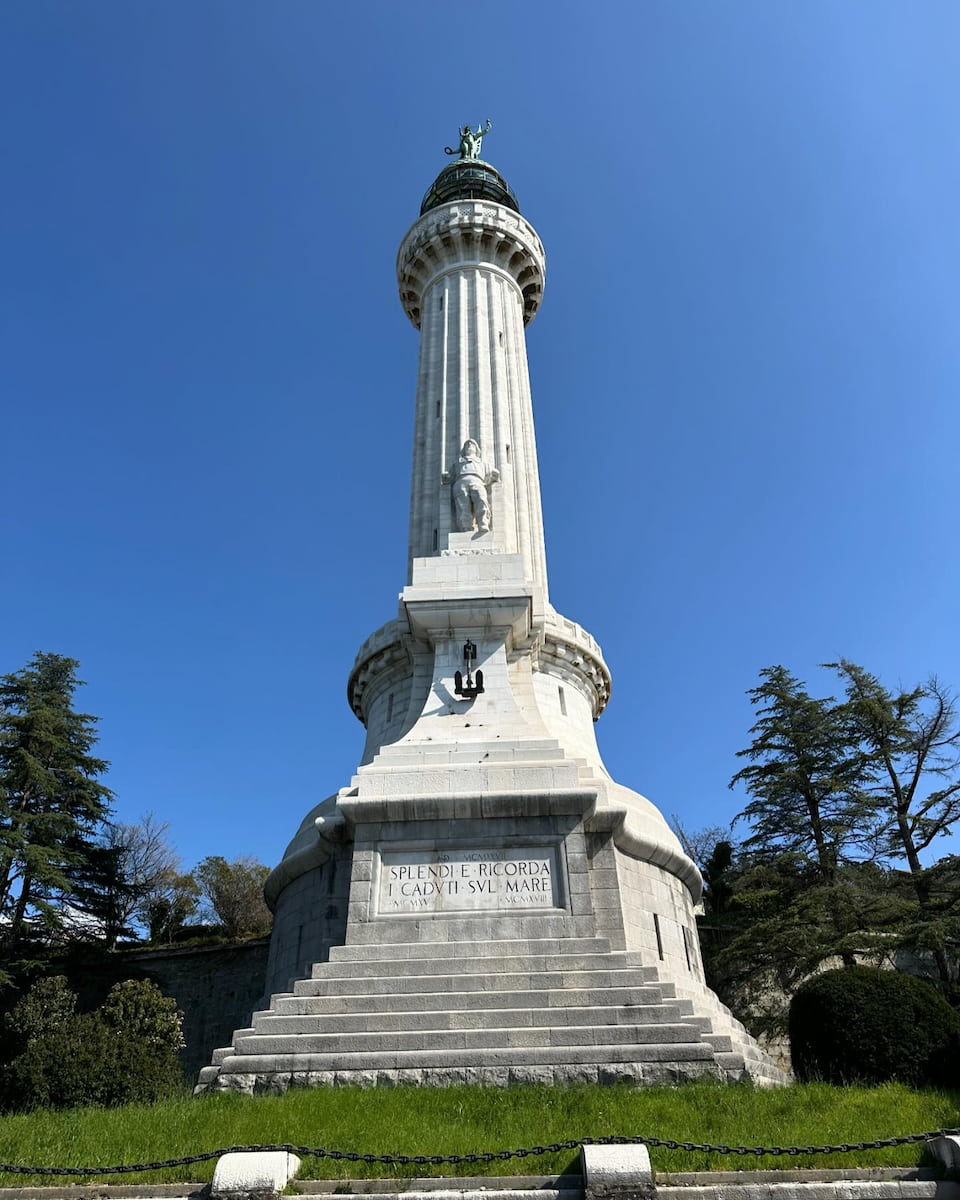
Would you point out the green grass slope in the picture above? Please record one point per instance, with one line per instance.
(461, 1120)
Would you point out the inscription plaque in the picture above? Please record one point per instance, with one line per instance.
(471, 879)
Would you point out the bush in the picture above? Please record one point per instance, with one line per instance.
(125, 1052)
(49, 1004)
(61, 1068)
(864, 1025)
(199, 934)
(83, 1062)
(138, 1010)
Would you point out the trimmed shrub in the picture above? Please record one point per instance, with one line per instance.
(865, 1025)
(63, 1068)
(49, 1004)
(138, 1010)
(123, 1053)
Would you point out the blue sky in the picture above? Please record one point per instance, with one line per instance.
(745, 369)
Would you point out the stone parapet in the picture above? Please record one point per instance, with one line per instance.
(567, 650)
(383, 651)
(471, 233)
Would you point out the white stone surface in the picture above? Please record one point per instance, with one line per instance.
(827, 1189)
(269, 1171)
(468, 295)
(611, 1168)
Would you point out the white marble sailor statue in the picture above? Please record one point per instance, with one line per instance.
(470, 477)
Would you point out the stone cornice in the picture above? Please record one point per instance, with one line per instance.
(383, 650)
(629, 838)
(567, 649)
(471, 233)
(466, 805)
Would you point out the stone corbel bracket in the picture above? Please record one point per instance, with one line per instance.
(629, 838)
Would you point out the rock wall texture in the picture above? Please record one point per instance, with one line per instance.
(217, 988)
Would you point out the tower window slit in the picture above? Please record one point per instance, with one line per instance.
(390, 708)
(563, 701)
(656, 930)
(440, 303)
(436, 540)
(686, 945)
(500, 335)
(508, 453)
(438, 408)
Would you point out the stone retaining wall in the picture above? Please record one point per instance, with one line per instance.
(216, 987)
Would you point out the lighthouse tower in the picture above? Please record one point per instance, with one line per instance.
(482, 902)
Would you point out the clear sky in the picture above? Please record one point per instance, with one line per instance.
(745, 370)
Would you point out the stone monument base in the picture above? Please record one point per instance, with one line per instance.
(495, 1013)
(493, 949)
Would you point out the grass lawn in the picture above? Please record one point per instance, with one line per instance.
(465, 1119)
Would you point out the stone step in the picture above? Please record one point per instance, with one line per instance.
(472, 754)
(446, 1191)
(730, 1061)
(721, 1042)
(490, 1187)
(658, 1052)
(481, 750)
(853, 1189)
(528, 1037)
(606, 1074)
(472, 1018)
(479, 949)
(547, 924)
(313, 1005)
(483, 965)
(477, 982)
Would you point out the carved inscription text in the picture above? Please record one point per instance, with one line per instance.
(468, 880)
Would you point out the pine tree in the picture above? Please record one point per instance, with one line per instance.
(806, 778)
(841, 793)
(800, 898)
(910, 741)
(51, 801)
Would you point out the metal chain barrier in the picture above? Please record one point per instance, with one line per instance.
(486, 1156)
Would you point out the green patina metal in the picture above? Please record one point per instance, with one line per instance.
(469, 179)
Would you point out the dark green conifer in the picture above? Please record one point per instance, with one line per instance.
(52, 802)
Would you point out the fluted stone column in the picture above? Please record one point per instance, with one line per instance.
(471, 277)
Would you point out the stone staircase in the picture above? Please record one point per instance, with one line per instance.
(551, 1010)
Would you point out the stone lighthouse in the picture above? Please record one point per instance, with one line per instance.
(481, 902)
